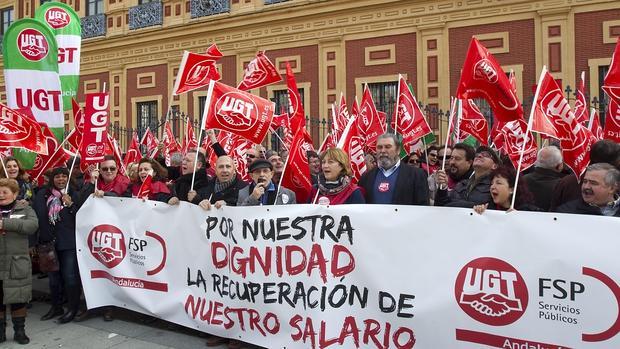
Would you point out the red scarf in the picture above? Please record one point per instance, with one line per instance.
(337, 198)
(118, 185)
(156, 188)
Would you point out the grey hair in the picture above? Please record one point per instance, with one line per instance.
(612, 175)
(549, 157)
(398, 141)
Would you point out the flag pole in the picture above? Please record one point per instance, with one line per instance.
(428, 169)
(66, 189)
(445, 149)
(592, 113)
(4, 165)
(202, 127)
(282, 176)
(280, 138)
(527, 134)
(397, 98)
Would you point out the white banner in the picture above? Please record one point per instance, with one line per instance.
(358, 276)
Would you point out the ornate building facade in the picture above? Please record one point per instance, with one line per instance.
(134, 47)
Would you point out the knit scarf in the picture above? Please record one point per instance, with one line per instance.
(7, 210)
(221, 186)
(333, 187)
(54, 206)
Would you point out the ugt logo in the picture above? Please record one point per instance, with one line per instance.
(32, 44)
(484, 70)
(107, 244)
(491, 291)
(236, 111)
(57, 17)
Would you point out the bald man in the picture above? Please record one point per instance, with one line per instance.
(224, 189)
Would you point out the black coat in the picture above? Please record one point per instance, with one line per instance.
(64, 229)
(581, 207)
(230, 194)
(411, 186)
(541, 183)
(466, 193)
(184, 182)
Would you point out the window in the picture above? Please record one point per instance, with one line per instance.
(94, 7)
(175, 117)
(602, 96)
(384, 96)
(280, 98)
(7, 19)
(147, 116)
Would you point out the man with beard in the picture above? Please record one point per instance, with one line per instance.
(459, 166)
(183, 184)
(476, 189)
(224, 189)
(391, 183)
(262, 190)
(599, 192)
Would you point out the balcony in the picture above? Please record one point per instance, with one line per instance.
(271, 2)
(146, 15)
(93, 26)
(203, 8)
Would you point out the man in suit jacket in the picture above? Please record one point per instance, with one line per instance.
(262, 190)
(391, 183)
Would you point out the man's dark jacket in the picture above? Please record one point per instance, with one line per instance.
(411, 186)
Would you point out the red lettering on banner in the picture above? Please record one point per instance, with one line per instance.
(39, 99)
(66, 54)
(290, 258)
(402, 338)
(213, 312)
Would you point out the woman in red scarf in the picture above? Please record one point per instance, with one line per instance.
(334, 183)
(107, 179)
(151, 183)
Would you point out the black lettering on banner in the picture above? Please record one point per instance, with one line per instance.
(278, 229)
(199, 281)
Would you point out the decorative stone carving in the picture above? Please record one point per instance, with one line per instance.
(203, 8)
(93, 26)
(146, 15)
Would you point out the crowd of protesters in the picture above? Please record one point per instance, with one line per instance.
(455, 176)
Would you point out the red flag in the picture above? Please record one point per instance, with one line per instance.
(196, 71)
(473, 122)
(512, 135)
(189, 141)
(595, 125)
(296, 175)
(408, 119)
(116, 152)
(612, 121)
(95, 134)
(352, 143)
(513, 81)
(19, 130)
(611, 84)
(57, 156)
(133, 152)
(551, 106)
(496, 138)
(170, 143)
(214, 51)
(341, 118)
(259, 72)
(236, 147)
(151, 143)
(328, 142)
(145, 188)
(296, 108)
(368, 121)
(483, 77)
(581, 105)
(237, 111)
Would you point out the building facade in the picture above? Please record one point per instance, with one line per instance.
(134, 48)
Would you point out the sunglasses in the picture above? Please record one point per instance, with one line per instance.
(110, 169)
(414, 161)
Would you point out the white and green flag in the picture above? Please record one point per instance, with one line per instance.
(65, 24)
(31, 74)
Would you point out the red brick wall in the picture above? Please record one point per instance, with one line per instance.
(589, 39)
(522, 50)
(405, 60)
(160, 88)
(102, 77)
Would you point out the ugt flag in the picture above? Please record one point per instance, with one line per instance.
(239, 112)
(96, 121)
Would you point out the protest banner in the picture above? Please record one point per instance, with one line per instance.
(305, 276)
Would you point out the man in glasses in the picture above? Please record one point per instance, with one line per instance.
(432, 161)
(476, 189)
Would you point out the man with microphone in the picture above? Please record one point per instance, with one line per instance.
(262, 191)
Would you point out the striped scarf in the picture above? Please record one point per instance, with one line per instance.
(54, 206)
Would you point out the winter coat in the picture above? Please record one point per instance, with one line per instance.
(285, 197)
(541, 183)
(15, 265)
(64, 229)
(466, 193)
(581, 207)
(183, 184)
(411, 186)
(229, 194)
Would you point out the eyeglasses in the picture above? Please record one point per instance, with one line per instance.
(484, 154)
(110, 169)
(414, 161)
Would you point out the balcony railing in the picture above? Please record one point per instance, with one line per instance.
(270, 2)
(93, 26)
(146, 15)
(203, 8)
